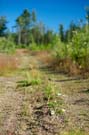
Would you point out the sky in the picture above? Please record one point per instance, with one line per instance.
(50, 12)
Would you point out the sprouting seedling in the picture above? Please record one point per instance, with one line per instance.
(50, 92)
(28, 76)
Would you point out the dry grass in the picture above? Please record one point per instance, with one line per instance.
(60, 65)
(22, 51)
(44, 56)
(8, 63)
(40, 53)
(66, 65)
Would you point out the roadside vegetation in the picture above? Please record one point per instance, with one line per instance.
(44, 77)
(69, 46)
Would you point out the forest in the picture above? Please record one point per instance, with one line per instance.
(44, 76)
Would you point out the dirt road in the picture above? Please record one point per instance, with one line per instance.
(24, 110)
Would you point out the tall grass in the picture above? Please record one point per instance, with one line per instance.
(8, 63)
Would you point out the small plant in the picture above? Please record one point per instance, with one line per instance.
(25, 110)
(56, 106)
(54, 102)
(23, 83)
(49, 92)
(36, 81)
(29, 81)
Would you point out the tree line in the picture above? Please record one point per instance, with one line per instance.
(27, 30)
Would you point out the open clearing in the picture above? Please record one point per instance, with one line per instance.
(24, 110)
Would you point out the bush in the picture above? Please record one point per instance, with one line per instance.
(80, 48)
(6, 45)
(72, 56)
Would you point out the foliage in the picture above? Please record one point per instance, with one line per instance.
(6, 45)
(72, 43)
(61, 32)
(24, 22)
(50, 92)
(2, 25)
(87, 14)
(80, 47)
(60, 49)
(54, 101)
(30, 80)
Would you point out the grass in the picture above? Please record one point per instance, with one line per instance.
(54, 101)
(26, 83)
(25, 109)
(50, 92)
(31, 79)
(8, 64)
(75, 132)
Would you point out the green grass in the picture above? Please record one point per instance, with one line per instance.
(26, 83)
(75, 132)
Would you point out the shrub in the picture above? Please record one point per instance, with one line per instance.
(30, 80)
(6, 45)
(73, 54)
(80, 48)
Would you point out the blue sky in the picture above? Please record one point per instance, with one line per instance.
(51, 12)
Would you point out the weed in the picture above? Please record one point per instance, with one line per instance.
(29, 81)
(36, 81)
(56, 106)
(50, 92)
(54, 102)
(23, 83)
(26, 109)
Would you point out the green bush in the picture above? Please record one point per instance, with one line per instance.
(6, 45)
(80, 48)
(60, 50)
(77, 50)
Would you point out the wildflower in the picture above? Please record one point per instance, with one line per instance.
(52, 112)
(63, 110)
(59, 94)
(64, 95)
(55, 101)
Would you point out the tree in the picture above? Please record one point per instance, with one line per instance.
(26, 25)
(3, 26)
(48, 37)
(72, 28)
(61, 32)
(33, 16)
(19, 22)
(87, 18)
(87, 14)
(23, 24)
(38, 32)
(70, 32)
(37, 35)
(67, 36)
